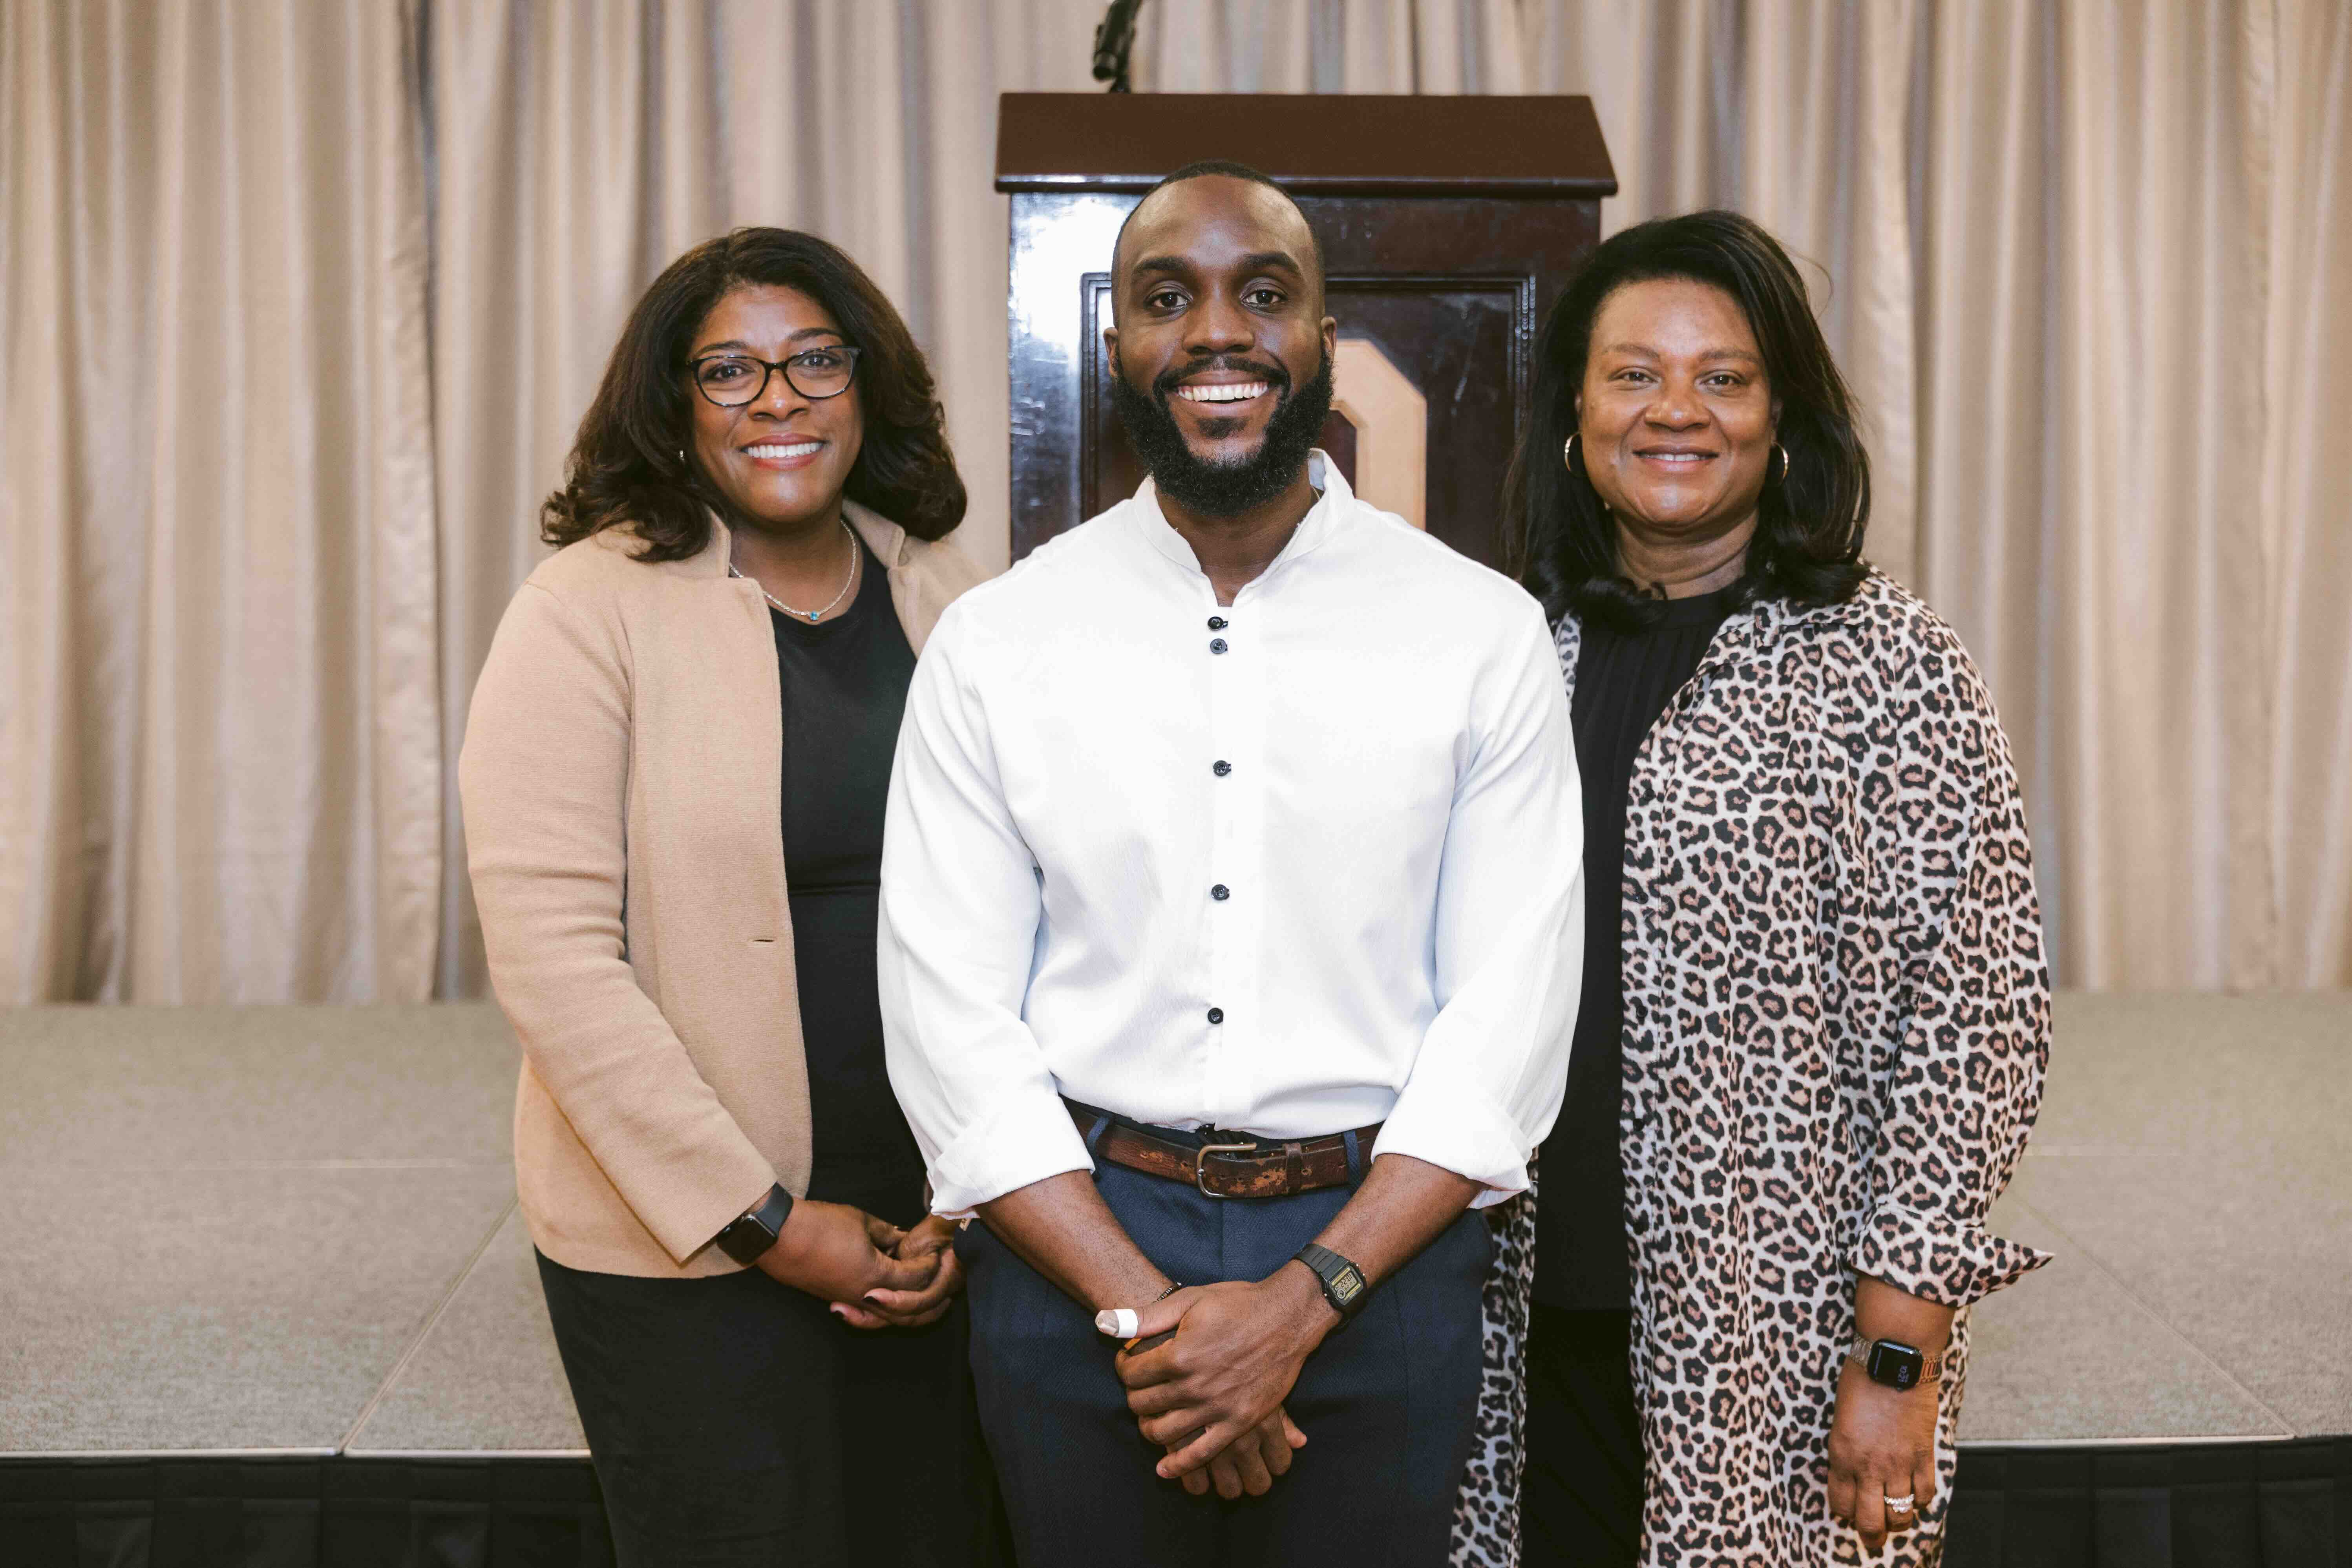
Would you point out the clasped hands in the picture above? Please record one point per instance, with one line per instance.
(1210, 1391)
(875, 1275)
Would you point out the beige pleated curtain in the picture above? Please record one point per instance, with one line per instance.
(219, 729)
(302, 300)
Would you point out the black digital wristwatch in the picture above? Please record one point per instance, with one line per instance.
(1343, 1282)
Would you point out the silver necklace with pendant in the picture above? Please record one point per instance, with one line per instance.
(811, 616)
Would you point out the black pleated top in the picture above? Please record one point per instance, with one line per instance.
(1623, 681)
(844, 690)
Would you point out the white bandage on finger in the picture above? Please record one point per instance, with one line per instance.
(1119, 1322)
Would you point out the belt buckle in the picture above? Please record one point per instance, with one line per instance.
(1201, 1163)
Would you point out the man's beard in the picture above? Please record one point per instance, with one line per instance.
(1224, 490)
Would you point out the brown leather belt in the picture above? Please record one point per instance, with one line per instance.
(1229, 1164)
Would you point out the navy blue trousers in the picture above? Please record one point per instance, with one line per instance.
(1388, 1402)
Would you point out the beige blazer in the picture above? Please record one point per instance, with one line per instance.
(620, 783)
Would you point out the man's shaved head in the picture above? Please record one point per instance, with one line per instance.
(1230, 171)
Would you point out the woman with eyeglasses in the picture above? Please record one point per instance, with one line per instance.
(673, 779)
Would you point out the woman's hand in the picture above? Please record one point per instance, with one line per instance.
(884, 1308)
(1882, 1445)
(838, 1253)
(1881, 1442)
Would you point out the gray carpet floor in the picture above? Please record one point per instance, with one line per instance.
(237, 1228)
(293, 1228)
(2192, 1168)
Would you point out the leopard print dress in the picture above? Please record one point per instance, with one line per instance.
(1837, 1016)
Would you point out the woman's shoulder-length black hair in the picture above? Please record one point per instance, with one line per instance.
(626, 466)
(1558, 537)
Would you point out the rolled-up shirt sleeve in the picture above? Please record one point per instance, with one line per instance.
(1508, 938)
(1964, 1084)
(958, 931)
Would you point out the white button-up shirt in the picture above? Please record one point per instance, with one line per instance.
(1290, 867)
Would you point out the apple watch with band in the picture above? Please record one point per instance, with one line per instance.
(749, 1238)
(1895, 1364)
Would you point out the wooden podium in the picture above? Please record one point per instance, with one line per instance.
(1448, 226)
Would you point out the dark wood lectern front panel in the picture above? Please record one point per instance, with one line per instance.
(1446, 270)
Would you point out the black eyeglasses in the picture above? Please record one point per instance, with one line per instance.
(734, 380)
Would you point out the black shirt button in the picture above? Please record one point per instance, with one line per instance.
(1216, 645)
(1221, 767)
(1221, 892)
(1216, 622)
(1216, 1015)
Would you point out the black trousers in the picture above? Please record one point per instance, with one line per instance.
(1388, 1402)
(735, 1421)
(1581, 1481)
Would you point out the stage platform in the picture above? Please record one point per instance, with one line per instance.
(247, 1234)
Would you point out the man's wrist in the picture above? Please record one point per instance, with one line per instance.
(1301, 1291)
(1138, 1289)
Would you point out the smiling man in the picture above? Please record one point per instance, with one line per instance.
(1231, 928)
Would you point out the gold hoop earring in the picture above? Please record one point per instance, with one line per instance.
(1568, 451)
(1781, 477)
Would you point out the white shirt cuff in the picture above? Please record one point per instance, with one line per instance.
(1025, 1140)
(1462, 1132)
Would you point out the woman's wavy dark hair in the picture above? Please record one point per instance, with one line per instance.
(1558, 537)
(624, 466)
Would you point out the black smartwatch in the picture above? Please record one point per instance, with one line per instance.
(1343, 1282)
(1895, 1364)
(750, 1237)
